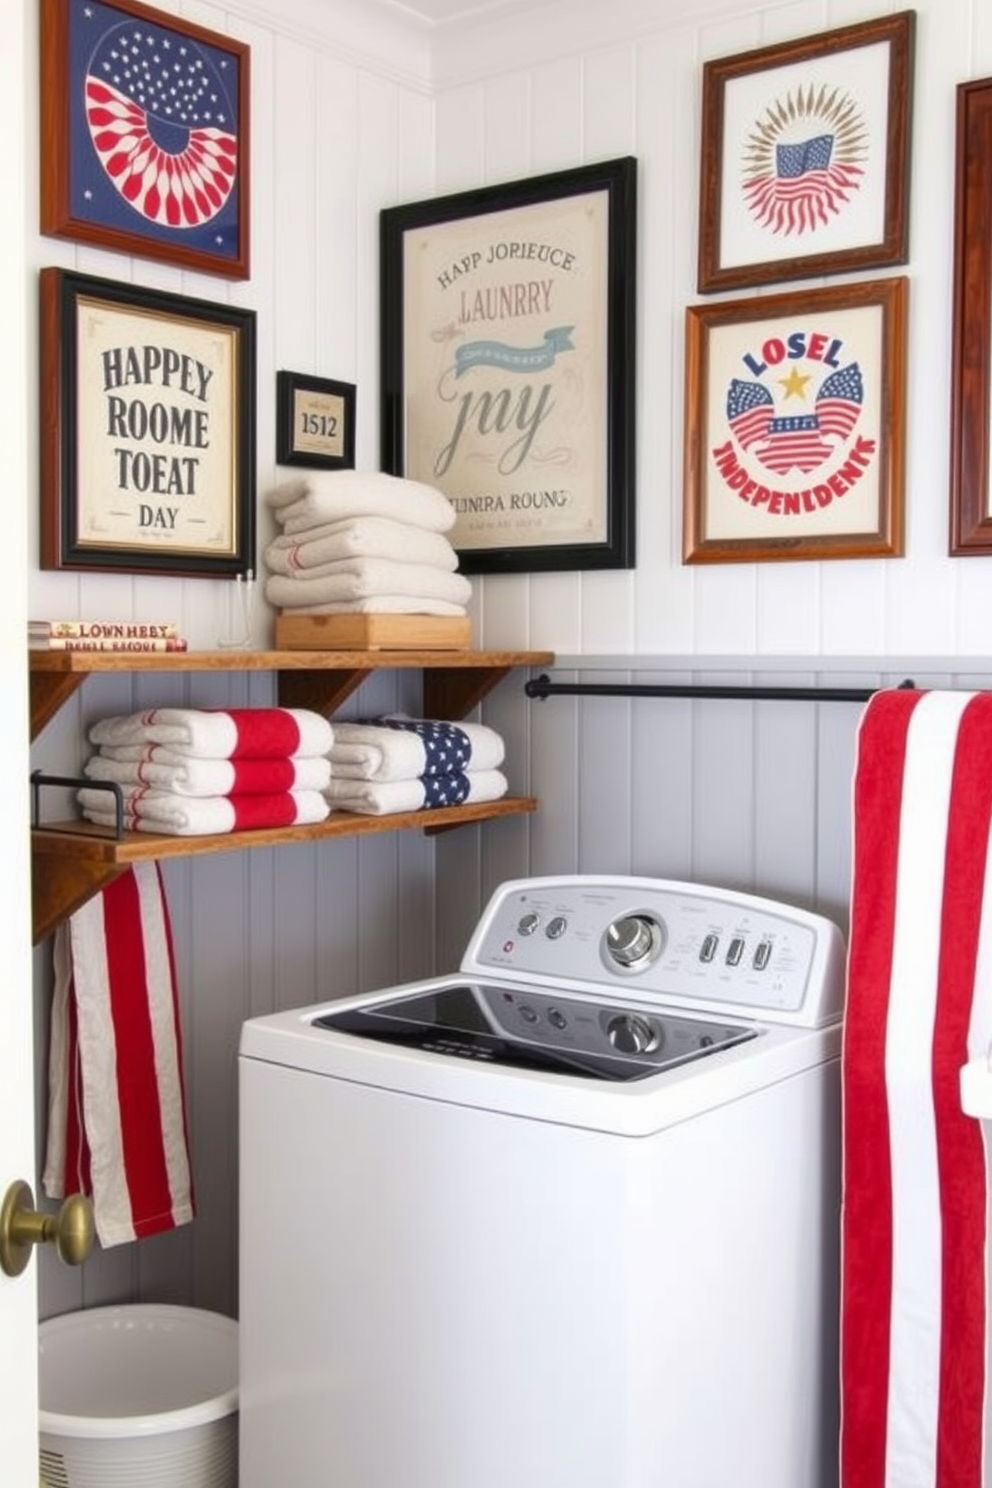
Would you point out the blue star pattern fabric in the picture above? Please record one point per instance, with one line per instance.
(445, 790)
(447, 748)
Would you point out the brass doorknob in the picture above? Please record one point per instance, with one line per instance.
(21, 1226)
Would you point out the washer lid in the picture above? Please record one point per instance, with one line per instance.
(529, 1028)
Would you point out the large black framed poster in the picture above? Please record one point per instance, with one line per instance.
(508, 324)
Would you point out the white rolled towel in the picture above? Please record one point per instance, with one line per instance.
(362, 578)
(186, 776)
(405, 749)
(198, 816)
(383, 798)
(237, 733)
(334, 495)
(362, 537)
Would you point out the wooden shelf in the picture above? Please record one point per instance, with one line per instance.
(454, 681)
(72, 861)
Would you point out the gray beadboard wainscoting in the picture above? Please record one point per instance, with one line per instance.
(753, 794)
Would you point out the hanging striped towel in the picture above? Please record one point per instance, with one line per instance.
(116, 1117)
(919, 1005)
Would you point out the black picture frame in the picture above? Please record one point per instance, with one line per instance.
(112, 132)
(315, 422)
(544, 270)
(147, 430)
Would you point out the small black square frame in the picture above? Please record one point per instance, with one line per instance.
(315, 422)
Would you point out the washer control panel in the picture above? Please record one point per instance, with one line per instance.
(662, 941)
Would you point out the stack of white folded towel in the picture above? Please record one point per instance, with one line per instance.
(356, 542)
(382, 765)
(190, 772)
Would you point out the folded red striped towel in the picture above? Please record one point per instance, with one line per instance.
(233, 733)
(149, 810)
(919, 1005)
(163, 769)
(116, 1113)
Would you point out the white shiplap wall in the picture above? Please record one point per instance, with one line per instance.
(756, 795)
(334, 136)
(349, 115)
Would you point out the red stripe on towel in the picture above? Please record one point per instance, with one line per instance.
(262, 776)
(251, 813)
(914, 1305)
(961, 1151)
(867, 1266)
(137, 1084)
(117, 1120)
(264, 732)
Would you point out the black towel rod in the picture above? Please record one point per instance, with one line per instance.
(542, 688)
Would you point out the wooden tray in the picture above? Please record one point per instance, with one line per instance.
(373, 633)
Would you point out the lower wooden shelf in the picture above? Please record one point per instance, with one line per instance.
(72, 861)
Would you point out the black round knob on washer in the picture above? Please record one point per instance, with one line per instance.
(630, 1034)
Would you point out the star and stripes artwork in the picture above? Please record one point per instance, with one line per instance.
(157, 139)
(795, 424)
(783, 442)
(804, 160)
(806, 149)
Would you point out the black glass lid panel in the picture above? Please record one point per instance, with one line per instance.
(533, 1029)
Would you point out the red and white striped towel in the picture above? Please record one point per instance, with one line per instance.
(148, 810)
(919, 1005)
(163, 769)
(209, 733)
(116, 1111)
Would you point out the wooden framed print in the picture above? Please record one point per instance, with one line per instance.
(315, 422)
(795, 425)
(145, 134)
(508, 322)
(148, 430)
(805, 157)
(971, 358)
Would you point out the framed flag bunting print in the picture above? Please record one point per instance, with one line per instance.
(795, 425)
(805, 157)
(144, 134)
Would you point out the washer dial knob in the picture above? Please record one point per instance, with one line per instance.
(630, 1034)
(633, 941)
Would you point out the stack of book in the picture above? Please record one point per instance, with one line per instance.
(104, 635)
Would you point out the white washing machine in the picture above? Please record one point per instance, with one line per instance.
(567, 1218)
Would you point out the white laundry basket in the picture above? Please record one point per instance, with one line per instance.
(142, 1396)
